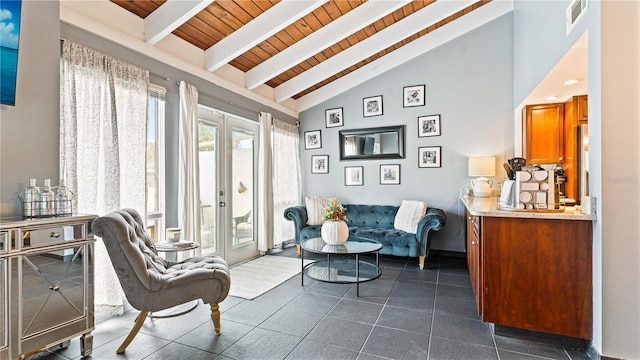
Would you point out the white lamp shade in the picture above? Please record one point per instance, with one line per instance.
(482, 166)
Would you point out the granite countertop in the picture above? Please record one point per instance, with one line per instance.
(489, 207)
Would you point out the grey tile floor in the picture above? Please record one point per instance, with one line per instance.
(404, 314)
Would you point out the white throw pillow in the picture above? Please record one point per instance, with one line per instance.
(409, 215)
(315, 208)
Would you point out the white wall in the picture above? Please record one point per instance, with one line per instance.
(469, 83)
(30, 131)
(619, 289)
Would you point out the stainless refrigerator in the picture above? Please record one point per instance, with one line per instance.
(583, 161)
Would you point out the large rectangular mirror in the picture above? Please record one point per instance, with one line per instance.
(372, 143)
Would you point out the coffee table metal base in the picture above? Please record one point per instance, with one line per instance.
(343, 271)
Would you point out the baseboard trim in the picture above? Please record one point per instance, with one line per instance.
(447, 253)
(566, 342)
(593, 354)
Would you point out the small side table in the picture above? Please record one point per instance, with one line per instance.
(171, 250)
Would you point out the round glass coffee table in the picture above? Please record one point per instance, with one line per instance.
(341, 269)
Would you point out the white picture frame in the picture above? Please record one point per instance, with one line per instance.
(312, 139)
(372, 106)
(320, 164)
(390, 174)
(429, 157)
(354, 175)
(413, 95)
(429, 125)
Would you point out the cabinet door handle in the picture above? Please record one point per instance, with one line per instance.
(473, 242)
(54, 234)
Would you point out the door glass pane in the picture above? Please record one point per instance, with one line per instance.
(208, 145)
(242, 172)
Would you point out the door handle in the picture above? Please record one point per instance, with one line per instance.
(223, 204)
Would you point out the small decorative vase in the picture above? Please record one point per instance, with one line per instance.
(334, 232)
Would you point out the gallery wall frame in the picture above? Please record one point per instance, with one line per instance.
(413, 95)
(354, 175)
(429, 157)
(429, 125)
(319, 164)
(390, 174)
(372, 106)
(333, 117)
(312, 139)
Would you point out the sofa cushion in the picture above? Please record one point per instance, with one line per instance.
(394, 241)
(409, 215)
(315, 208)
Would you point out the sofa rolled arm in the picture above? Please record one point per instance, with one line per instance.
(297, 214)
(434, 220)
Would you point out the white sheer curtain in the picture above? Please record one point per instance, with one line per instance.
(287, 184)
(265, 215)
(103, 119)
(188, 163)
(279, 180)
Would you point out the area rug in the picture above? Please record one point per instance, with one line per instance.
(252, 279)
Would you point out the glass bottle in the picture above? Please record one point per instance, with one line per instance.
(63, 200)
(30, 200)
(46, 200)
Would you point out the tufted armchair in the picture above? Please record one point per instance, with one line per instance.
(152, 283)
(376, 222)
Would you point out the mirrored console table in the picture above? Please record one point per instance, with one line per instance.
(46, 278)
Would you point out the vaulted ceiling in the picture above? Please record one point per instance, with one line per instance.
(291, 54)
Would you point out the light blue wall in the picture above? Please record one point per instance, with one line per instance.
(469, 82)
(540, 40)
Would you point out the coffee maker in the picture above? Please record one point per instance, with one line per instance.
(560, 179)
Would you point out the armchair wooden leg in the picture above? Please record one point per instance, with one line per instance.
(139, 321)
(298, 249)
(421, 262)
(215, 316)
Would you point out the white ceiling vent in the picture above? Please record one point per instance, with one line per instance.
(574, 12)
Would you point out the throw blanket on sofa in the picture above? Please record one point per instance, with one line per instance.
(409, 215)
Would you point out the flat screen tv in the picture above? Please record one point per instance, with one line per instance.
(9, 36)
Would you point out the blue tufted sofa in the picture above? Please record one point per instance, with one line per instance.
(376, 222)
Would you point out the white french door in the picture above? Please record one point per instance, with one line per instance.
(228, 190)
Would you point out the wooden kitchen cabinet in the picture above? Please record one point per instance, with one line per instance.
(582, 104)
(532, 273)
(544, 133)
(473, 257)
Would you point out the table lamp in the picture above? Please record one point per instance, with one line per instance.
(482, 166)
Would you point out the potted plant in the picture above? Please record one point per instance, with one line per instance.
(334, 229)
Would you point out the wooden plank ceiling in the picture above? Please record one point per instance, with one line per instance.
(265, 20)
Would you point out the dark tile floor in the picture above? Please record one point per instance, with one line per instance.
(404, 314)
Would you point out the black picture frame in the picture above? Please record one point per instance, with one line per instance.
(353, 175)
(333, 117)
(413, 95)
(429, 125)
(320, 164)
(372, 106)
(312, 139)
(430, 157)
(390, 174)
